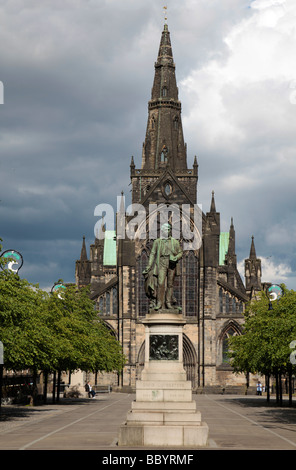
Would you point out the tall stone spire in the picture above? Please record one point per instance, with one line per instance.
(164, 175)
(164, 143)
(83, 268)
(253, 271)
(213, 204)
(83, 255)
(231, 246)
(230, 258)
(252, 250)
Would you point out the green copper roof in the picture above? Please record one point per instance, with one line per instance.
(223, 246)
(109, 248)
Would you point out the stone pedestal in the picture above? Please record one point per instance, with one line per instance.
(163, 414)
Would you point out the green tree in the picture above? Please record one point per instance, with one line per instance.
(27, 340)
(83, 340)
(264, 346)
(51, 332)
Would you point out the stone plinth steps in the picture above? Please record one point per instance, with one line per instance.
(163, 414)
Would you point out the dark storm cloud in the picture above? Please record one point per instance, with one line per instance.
(68, 100)
(77, 78)
(250, 143)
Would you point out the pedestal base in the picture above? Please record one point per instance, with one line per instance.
(164, 424)
(163, 414)
(168, 437)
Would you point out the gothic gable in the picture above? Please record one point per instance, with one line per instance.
(167, 189)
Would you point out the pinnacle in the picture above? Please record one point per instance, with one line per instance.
(252, 250)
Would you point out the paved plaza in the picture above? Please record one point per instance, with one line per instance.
(235, 423)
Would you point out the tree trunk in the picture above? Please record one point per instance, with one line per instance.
(1, 383)
(54, 386)
(280, 389)
(290, 386)
(267, 383)
(59, 385)
(35, 390)
(45, 375)
(276, 387)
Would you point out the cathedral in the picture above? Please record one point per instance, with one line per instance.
(209, 288)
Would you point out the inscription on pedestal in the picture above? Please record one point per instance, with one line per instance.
(163, 347)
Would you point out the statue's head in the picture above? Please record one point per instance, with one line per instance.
(166, 230)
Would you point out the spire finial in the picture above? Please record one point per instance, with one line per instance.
(213, 205)
(165, 13)
(83, 255)
(252, 250)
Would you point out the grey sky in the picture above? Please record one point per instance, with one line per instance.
(77, 77)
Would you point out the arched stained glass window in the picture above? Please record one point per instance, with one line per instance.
(221, 300)
(227, 303)
(101, 305)
(233, 305)
(107, 303)
(178, 291)
(225, 345)
(114, 300)
(191, 269)
(164, 154)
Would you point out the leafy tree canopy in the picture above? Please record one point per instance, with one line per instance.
(264, 346)
(43, 331)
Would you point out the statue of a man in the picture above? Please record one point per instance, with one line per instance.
(162, 265)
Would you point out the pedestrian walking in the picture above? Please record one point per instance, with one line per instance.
(259, 388)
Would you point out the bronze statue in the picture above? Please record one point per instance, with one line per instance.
(162, 266)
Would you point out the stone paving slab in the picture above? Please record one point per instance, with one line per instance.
(248, 423)
(235, 423)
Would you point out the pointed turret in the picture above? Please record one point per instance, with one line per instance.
(83, 268)
(213, 204)
(253, 272)
(252, 250)
(83, 255)
(213, 215)
(212, 234)
(132, 165)
(231, 246)
(230, 257)
(195, 166)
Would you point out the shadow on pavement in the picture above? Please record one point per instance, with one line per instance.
(270, 411)
(11, 412)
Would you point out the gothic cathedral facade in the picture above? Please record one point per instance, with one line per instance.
(209, 289)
